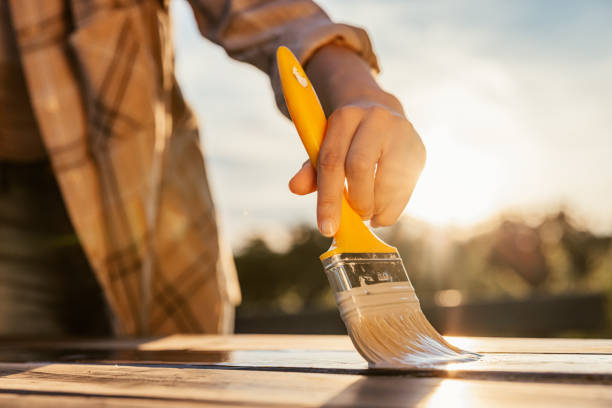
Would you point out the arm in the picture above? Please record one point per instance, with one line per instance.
(369, 141)
(368, 135)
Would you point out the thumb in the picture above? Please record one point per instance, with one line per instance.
(305, 180)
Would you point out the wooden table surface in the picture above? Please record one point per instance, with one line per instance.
(304, 371)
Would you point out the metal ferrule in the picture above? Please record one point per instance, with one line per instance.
(351, 270)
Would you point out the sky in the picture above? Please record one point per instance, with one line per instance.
(513, 101)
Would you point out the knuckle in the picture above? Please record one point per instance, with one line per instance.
(415, 148)
(359, 199)
(392, 180)
(422, 151)
(330, 159)
(400, 192)
(409, 126)
(379, 112)
(358, 164)
(326, 203)
(344, 113)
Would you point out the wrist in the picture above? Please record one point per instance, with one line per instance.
(341, 77)
(371, 97)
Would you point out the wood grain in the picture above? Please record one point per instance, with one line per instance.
(139, 386)
(303, 371)
(530, 345)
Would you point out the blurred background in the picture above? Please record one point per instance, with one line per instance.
(509, 229)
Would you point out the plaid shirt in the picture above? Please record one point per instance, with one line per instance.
(125, 148)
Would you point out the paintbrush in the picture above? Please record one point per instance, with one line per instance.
(374, 295)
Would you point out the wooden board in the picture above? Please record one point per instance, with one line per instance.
(567, 367)
(189, 386)
(518, 358)
(308, 371)
(318, 342)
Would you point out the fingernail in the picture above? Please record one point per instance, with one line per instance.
(327, 228)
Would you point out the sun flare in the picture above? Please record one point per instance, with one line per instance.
(458, 185)
(463, 180)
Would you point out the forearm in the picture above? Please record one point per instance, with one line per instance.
(342, 78)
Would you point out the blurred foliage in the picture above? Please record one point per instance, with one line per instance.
(289, 281)
(510, 258)
(506, 258)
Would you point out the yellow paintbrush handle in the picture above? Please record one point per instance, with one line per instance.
(309, 119)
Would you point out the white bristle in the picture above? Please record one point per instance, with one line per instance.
(388, 328)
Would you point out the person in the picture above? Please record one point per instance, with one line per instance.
(106, 218)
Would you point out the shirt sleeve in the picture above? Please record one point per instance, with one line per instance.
(251, 30)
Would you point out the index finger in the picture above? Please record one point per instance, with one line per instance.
(341, 127)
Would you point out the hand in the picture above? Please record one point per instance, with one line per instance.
(380, 154)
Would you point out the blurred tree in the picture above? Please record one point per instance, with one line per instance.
(519, 247)
(296, 276)
(509, 259)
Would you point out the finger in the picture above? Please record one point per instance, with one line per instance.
(395, 181)
(391, 193)
(360, 167)
(391, 212)
(305, 180)
(330, 170)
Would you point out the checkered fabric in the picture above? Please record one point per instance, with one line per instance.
(125, 148)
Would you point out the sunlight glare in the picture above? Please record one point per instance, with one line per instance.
(457, 186)
(465, 167)
(452, 393)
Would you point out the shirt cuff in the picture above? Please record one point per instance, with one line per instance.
(305, 43)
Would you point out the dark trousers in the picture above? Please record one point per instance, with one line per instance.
(47, 288)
